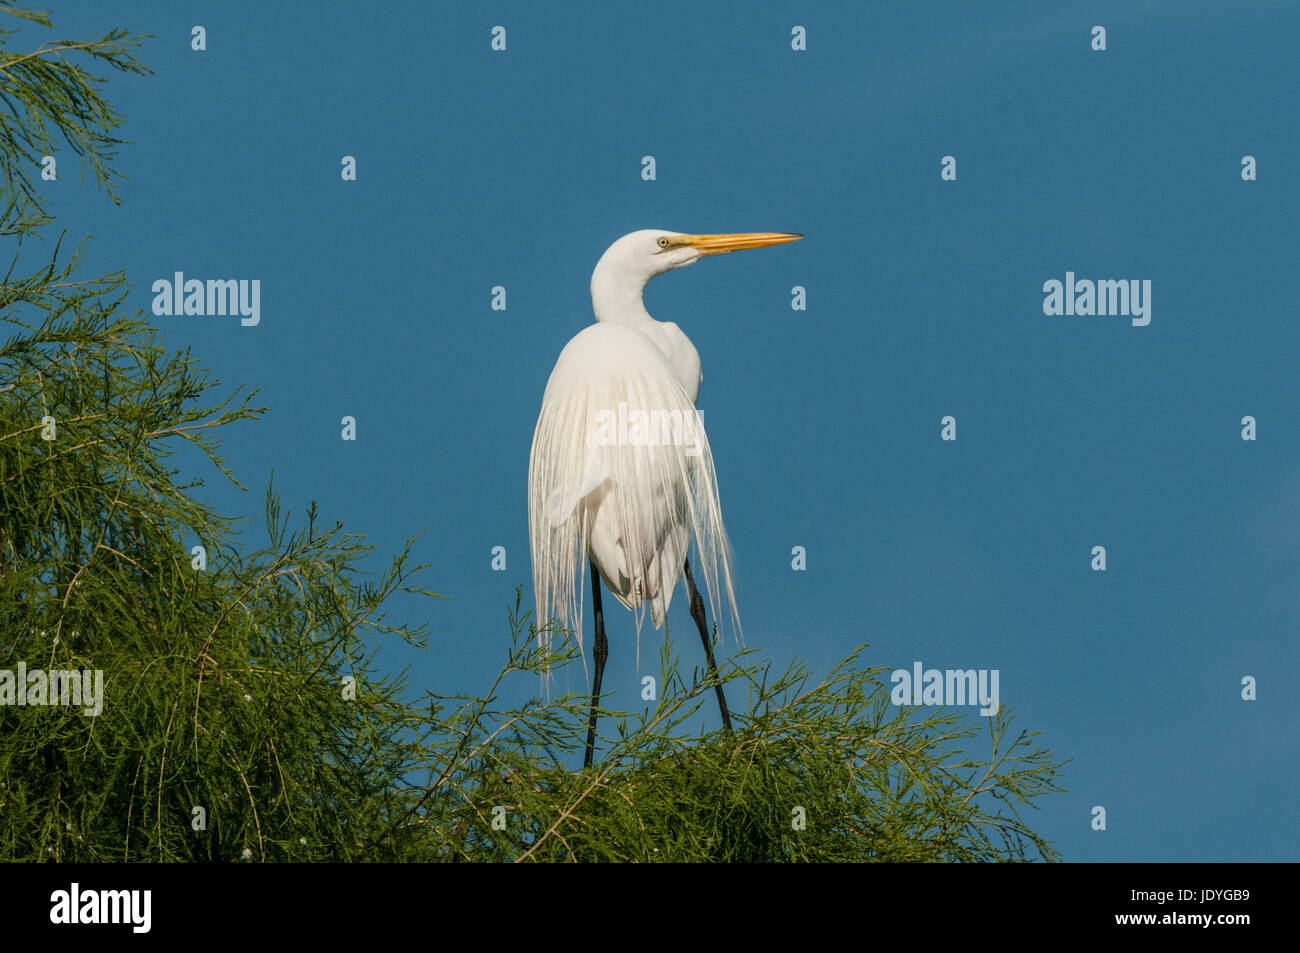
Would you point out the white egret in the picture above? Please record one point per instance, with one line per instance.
(620, 471)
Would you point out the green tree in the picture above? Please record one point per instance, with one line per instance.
(244, 716)
(223, 685)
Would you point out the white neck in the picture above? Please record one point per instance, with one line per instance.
(617, 297)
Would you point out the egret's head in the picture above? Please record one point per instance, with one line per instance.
(634, 259)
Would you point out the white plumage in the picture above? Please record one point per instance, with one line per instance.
(621, 470)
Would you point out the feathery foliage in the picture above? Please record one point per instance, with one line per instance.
(50, 98)
(817, 770)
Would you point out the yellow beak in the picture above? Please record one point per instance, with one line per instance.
(721, 244)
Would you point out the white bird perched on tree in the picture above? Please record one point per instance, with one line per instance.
(620, 470)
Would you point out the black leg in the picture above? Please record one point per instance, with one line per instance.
(600, 651)
(697, 613)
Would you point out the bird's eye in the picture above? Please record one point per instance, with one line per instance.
(663, 243)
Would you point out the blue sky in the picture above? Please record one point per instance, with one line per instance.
(925, 299)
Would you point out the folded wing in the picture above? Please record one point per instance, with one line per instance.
(621, 471)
